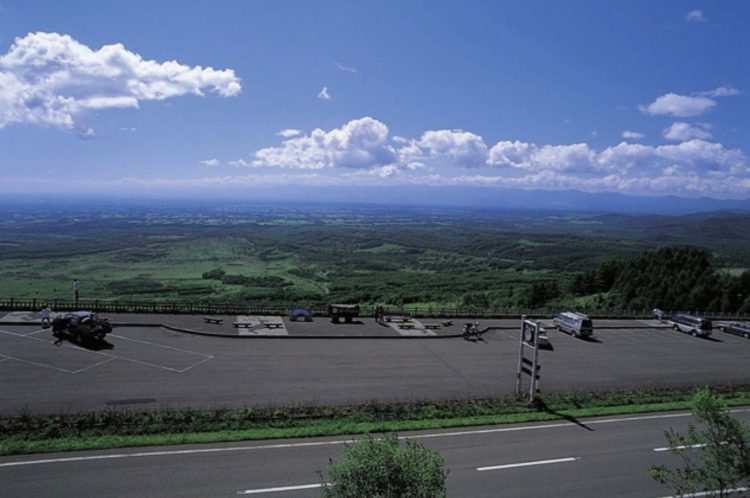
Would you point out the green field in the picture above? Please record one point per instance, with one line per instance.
(314, 255)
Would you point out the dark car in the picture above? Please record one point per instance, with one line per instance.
(301, 314)
(736, 328)
(81, 326)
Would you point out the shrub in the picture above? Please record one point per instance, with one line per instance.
(377, 467)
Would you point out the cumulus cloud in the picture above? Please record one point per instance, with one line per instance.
(682, 131)
(210, 162)
(289, 132)
(52, 79)
(360, 143)
(695, 16)
(685, 106)
(452, 147)
(324, 95)
(362, 151)
(632, 135)
(524, 156)
(681, 106)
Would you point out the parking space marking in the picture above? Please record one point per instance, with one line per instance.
(205, 356)
(109, 356)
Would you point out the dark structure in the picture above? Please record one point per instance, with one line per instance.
(345, 311)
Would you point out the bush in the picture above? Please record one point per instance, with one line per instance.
(377, 467)
(715, 457)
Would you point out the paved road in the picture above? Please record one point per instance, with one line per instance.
(594, 458)
(154, 368)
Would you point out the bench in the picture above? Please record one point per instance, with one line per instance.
(242, 325)
(447, 323)
(210, 319)
(406, 326)
(273, 325)
(431, 326)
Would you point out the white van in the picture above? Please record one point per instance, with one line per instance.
(574, 323)
(693, 325)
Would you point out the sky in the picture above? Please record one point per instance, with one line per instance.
(234, 98)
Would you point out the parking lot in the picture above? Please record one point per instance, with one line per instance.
(143, 366)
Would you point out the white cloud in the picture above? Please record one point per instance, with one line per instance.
(52, 79)
(345, 68)
(682, 131)
(452, 147)
(695, 16)
(289, 132)
(722, 91)
(363, 153)
(239, 163)
(361, 143)
(524, 156)
(632, 135)
(324, 95)
(130, 129)
(685, 106)
(210, 162)
(681, 106)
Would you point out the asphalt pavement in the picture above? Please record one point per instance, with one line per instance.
(586, 458)
(145, 367)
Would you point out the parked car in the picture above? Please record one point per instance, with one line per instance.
(693, 325)
(81, 326)
(574, 323)
(736, 328)
(301, 314)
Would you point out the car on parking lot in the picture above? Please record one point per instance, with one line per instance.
(693, 325)
(301, 314)
(737, 328)
(574, 323)
(81, 326)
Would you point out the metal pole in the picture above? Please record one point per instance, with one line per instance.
(532, 391)
(520, 356)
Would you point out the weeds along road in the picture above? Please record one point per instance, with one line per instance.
(155, 368)
(594, 457)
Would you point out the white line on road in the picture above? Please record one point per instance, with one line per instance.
(709, 493)
(276, 490)
(227, 449)
(690, 447)
(528, 464)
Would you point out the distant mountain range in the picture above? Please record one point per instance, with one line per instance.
(489, 198)
(516, 199)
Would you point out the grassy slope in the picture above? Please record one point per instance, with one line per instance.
(124, 429)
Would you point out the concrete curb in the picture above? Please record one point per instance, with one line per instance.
(317, 336)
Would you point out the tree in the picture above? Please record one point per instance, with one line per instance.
(715, 456)
(378, 468)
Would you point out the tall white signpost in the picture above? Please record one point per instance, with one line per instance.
(529, 340)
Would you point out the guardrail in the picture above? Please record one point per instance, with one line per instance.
(209, 308)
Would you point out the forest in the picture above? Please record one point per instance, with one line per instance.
(311, 254)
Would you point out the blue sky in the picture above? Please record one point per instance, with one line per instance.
(219, 98)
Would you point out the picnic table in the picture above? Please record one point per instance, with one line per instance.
(242, 325)
(273, 325)
(431, 326)
(214, 320)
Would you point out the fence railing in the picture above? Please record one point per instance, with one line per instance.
(210, 308)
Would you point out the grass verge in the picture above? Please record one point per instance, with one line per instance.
(118, 429)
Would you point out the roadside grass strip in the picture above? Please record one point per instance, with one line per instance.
(107, 430)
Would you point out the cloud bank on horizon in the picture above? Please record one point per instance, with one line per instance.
(362, 152)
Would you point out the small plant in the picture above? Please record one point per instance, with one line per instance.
(378, 467)
(715, 457)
